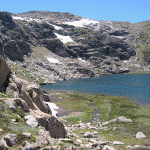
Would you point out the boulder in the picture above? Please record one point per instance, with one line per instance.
(3, 145)
(52, 124)
(11, 104)
(124, 70)
(27, 135)
(31, 120)
(14, 103)
(117, 143)
(87, 135)
(41, 141)
(46, 134)
(140, 135)
(106, 147)
(11, 139)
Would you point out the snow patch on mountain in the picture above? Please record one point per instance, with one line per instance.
(63, 38)
(82, 22)
(56, 27)
(25, 18)
(17, 18)
(81, 60)
(52, 60)
(53, 108)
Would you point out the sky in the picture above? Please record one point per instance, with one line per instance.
(114, 10)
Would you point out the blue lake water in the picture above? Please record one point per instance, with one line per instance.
(136, 87)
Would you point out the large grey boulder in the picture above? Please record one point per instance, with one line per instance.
(11, 139)
(52, 124)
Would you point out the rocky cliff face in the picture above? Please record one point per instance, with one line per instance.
(4, 74)
(46, 46)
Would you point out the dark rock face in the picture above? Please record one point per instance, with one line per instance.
(15, 50)
(6, 20)
(12, 39)
(56, 46)
(119, 32)
(86, 71)
(4, 74)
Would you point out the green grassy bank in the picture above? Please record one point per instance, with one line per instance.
(109, 107)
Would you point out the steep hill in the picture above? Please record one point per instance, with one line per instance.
(46, 46)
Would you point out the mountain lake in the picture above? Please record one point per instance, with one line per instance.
(136, 87)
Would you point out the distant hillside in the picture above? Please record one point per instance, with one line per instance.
(44, 46)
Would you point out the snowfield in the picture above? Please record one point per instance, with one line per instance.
(52, 60)
(17, 18)
(81, 60)
(82, 22)
(56, 27)
(25, 18)
(63, 38)
(53, 107)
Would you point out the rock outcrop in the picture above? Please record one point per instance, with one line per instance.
(51, 124)
(4, 74)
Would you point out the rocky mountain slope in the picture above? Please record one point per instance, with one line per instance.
(46, 46)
